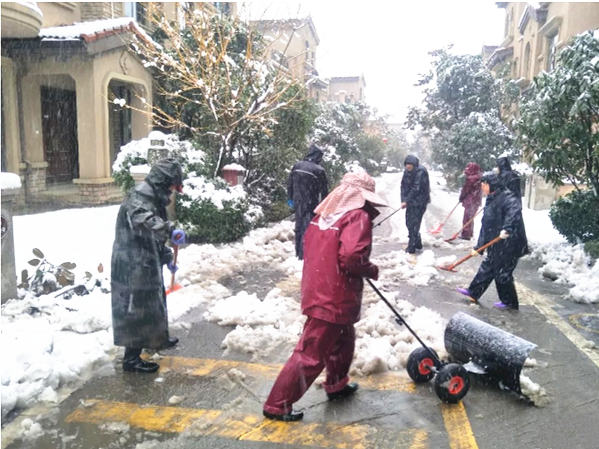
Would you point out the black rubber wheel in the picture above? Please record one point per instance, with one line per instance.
(452, 383)
(420, 363)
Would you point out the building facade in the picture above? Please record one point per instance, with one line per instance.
(67, 73)
(293, 44)
(346, 89)
(533, 36)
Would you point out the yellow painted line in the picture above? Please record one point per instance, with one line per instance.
(458, 426)
(574, 319)
(545, 307)
(234, 425)
(214, 367)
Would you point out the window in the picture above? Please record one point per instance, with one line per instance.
(137, 10)
(551, 51)
(526, 65)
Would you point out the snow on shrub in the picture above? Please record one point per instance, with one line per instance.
(133, 157)
(212, 211)
(209, 209)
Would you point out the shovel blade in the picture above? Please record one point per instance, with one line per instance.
(174, 288)
(447, 268)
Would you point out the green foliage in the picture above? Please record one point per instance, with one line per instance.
(461, 112)
(592, 249)
(575, 216)
(122, 177)
(204, 222)
(480, 138)
(559, 122)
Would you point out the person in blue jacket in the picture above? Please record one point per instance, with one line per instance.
(415, 195)
(307, 186)
(502, 217)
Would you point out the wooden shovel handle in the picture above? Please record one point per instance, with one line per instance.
(482, 248)
(455, 236)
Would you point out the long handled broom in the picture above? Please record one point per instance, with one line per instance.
(455, 236)
(465, 258)
(439, 228)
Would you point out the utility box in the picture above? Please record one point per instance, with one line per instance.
(233, 174)
(11, 187)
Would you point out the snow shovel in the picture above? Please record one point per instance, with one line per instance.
(455, 236)
(465, 258)
(174, 287)
(439, 228)
(486, 349)
(451, 379)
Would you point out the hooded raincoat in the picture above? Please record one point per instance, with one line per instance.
(139, 314)
(307, 186)
(508, 178)
(337, 250)
(470, 197)
(503, 211)
(415, 192)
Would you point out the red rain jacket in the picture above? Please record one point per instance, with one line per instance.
(471, 194)
(335, 261)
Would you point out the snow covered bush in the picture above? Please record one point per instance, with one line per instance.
(572, 216)
(133, 157)
(211, 211)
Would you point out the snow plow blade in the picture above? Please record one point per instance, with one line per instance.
(498, 352)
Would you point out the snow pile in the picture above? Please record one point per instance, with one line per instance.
(48, 342)
(398, 265)
(566, 264)
(9, 180)
(381, 344)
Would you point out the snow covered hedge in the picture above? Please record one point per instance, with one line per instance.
(210, 210)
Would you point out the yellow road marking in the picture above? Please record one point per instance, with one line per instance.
(215, 367)
(230, 424)
(574, 319)
(544, 306)
(458, 426)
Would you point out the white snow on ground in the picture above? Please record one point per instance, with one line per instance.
(48, 342)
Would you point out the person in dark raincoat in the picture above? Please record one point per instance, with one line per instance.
(139, 315)
(502, 217)
(337, 249)
(415, 195)
(307, 186)
(508, 178)
(470, 197)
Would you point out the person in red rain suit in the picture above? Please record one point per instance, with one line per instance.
(470, 197)
(337, 247)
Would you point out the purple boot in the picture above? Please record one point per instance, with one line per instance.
(466, 292)
(500, 305)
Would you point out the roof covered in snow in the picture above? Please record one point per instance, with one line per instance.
(94, 30)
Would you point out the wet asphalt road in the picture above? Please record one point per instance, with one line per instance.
(230, 396)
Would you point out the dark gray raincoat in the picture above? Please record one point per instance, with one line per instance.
(139, 315)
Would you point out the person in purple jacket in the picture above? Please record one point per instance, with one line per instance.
(470, 197)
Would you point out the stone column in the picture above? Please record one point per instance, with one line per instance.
(9, 273)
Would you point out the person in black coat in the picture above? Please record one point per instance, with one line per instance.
(415, 195)
(502, 217)
(307, 186)
(508, 178)
(139, 315)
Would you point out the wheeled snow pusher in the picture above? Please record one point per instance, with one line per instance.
(485, 349)
(451, 379)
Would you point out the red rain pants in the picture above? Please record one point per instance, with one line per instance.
(322, 345)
